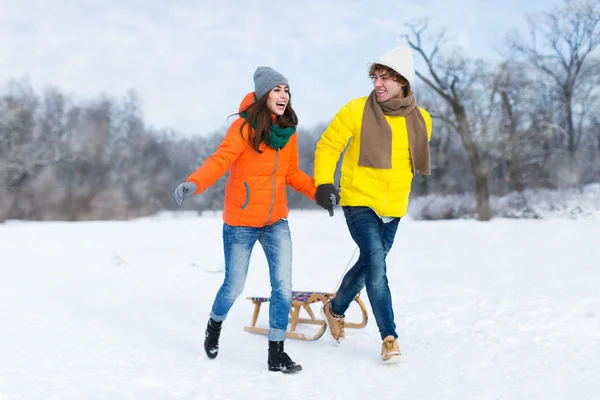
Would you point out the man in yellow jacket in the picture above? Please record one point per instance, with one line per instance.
(389, 140)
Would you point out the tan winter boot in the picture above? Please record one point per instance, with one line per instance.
(390, 352)
(335, 323)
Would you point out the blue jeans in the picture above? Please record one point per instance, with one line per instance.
(374, 239)
(276, 242)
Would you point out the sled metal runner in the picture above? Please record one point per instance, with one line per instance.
(303, 301)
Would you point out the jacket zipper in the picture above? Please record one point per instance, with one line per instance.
(387, 188)
(247, 195)
(273, 188)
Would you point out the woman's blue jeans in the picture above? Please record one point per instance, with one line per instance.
(276, 242)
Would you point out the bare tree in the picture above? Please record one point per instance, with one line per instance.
(464, 85)
(526, 104)
(560, 46)
(21, 155)
(509, 93)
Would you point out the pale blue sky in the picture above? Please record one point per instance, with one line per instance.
(192, 61)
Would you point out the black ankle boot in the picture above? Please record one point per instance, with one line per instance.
(279, 360)
(211, 339)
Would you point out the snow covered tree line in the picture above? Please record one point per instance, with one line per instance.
(528, 122)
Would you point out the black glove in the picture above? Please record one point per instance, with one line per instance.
(327, 197)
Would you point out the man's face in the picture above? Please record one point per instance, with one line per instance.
(278, 99)
(385, 87)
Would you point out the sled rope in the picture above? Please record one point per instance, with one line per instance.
(337, 286)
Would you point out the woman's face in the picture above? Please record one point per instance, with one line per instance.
(278, 99)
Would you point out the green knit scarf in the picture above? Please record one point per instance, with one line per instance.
(276, 137)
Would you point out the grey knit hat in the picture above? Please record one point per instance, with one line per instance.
(265, 79)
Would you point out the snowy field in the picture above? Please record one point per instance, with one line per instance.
(508, 309)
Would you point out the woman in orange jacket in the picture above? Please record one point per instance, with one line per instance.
(260, 150)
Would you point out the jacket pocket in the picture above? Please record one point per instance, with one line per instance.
(247, 195)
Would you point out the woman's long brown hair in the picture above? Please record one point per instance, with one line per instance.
(259, 112)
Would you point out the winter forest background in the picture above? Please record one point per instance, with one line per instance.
(511, 139)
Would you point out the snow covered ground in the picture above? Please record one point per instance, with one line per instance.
(531, 203)
(508, 309)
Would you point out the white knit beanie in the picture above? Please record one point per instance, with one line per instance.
(400, 59)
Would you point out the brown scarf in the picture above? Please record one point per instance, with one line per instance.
(376, 133)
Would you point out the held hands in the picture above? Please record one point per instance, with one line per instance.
(327, 196)
(184, 189)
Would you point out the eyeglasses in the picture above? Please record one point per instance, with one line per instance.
(383, 77)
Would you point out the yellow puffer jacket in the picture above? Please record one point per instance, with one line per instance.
(384, 190)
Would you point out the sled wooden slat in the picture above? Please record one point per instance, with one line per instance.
(302, 301)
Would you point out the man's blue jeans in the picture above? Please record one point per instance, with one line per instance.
(276, 242)
(374, 239)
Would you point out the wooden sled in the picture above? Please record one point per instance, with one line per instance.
(303, 301)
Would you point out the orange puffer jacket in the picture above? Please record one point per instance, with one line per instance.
(255, 194)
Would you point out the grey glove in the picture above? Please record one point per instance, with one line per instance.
(185, 189)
